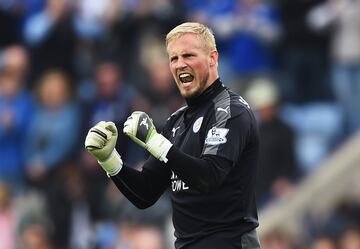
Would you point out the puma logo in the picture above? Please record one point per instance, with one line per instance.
(174, 130)
(226, 110)
(144, 122)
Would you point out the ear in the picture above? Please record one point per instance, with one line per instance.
(214, 56)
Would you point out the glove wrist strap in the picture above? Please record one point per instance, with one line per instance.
(159, 146)
(113, 164)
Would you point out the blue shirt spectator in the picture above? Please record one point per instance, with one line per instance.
(16, 107)
(115, 99)
(250, 28)
(54, 129)
(52, 135)
(15, 113)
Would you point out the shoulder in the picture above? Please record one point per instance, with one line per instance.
(228, 105)
(172, 119)
(177, 113)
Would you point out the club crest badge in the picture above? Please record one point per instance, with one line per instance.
(197, 124)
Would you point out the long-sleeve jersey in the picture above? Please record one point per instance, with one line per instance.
(210, 172)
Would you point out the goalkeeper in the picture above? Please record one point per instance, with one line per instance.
(206, 155)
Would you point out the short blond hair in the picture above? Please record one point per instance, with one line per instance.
(204, 32)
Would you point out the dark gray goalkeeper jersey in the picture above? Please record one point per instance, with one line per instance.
(210, 172)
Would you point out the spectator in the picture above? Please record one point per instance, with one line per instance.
(50, 36)
(15, 60)
(16, 108)
(350, 239)
(68, 208)
(303, 55)
(80, 230)
(343, 19)
(115, 99)
(36, 236)
(91, 21)
(136, 21)
(278, 239)
(342, 219)
(143, 237)
(54, 129)
(7, 221)
(277, 164)
(323, 242)
(250, 29)
(8, 27)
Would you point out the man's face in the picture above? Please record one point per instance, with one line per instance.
(190, 64)
(108, 80)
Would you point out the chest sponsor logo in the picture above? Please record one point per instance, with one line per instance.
(197, 124)
(216, 136)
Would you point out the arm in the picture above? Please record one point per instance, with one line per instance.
(37, 28)
(205, 173)
(143, 188)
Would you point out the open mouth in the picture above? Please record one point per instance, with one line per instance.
(186, 77)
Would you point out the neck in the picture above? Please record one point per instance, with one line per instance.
(209, 93)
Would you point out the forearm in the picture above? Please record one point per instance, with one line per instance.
(204, 174)
(37, 28)
(142, 188)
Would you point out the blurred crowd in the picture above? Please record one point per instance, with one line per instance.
(66, 65)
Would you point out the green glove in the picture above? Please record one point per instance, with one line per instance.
(140, 128)
(100, 142)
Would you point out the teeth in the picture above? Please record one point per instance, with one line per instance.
(183, 75)
(186, 77)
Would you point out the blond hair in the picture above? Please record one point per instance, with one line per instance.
(204, 32)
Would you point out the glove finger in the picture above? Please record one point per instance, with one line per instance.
(91, 148)
(94, 141)
(101, 131)
(137, 113)
(110, 126)
(130, 124)
(100, 124)
(127, 128)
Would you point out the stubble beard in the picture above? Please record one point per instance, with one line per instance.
(200, 88)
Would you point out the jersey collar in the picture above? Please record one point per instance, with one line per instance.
(213, 90)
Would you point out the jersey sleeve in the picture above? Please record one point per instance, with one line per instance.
(143, 188)
(227, 136)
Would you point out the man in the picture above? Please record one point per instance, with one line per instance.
(207, 152)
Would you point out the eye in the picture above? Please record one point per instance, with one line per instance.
(173, 59)
(188, 55)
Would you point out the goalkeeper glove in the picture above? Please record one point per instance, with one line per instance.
(140, 128)
(100, 142)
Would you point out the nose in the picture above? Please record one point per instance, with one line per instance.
(180, 64)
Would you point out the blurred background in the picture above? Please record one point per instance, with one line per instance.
(65, 65)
